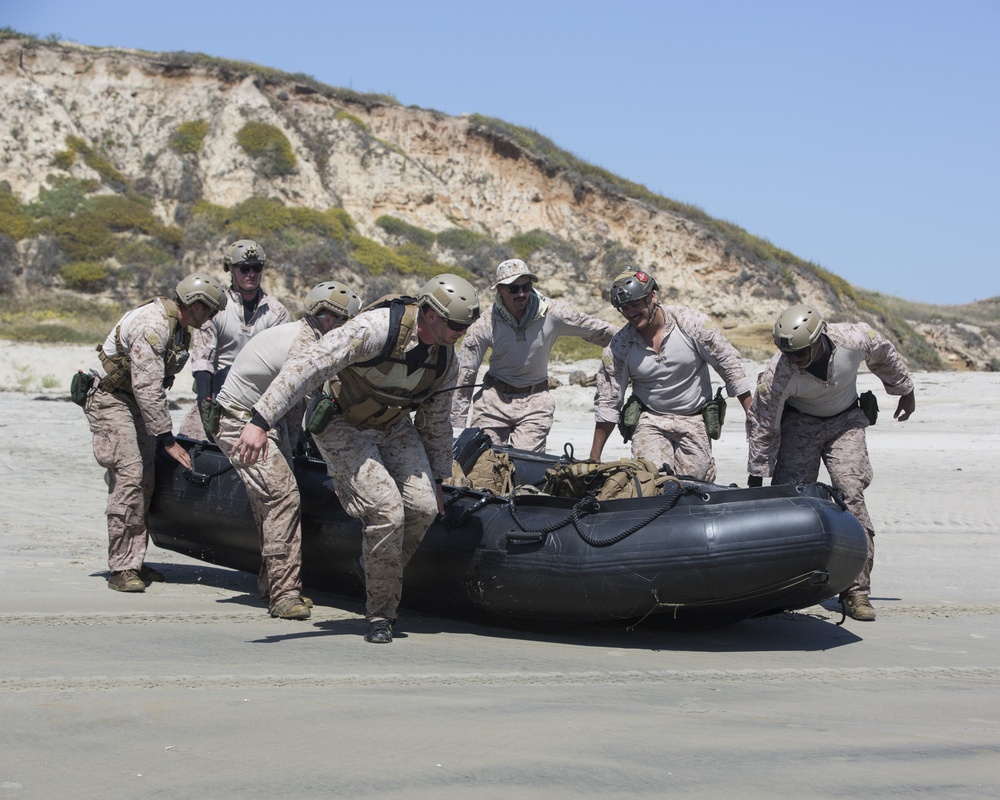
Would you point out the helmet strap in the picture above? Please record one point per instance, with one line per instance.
(424, 324)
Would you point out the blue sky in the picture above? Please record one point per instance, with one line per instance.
(861, 135)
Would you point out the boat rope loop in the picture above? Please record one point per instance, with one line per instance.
(202, 478)
(587, 505)
(813, 576)
(835, 492)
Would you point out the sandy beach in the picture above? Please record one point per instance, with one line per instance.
(191, 690)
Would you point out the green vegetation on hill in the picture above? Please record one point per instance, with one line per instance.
(92, 242)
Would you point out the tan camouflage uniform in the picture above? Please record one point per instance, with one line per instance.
(270, 484)
(674, 385)
(797, 421)
(125, 424)
(515, 405)
(216, 344)
(383, 477)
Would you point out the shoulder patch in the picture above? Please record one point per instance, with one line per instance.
(762, 389)
(871, 334)
(153, 339)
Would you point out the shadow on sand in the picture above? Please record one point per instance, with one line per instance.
(813, 629)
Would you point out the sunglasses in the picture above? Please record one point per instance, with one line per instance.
(458, 327)
(246, 268)
(518, 288)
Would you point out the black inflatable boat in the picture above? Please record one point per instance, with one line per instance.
(699, 555)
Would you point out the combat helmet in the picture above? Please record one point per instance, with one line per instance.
(630, 286)
(333, 297)
(243, 251)
(454, 298)
(797, 328)
(199, 287)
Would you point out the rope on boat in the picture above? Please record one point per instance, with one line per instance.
(587, 505)
(202, 478)
(835, 492)
(806, 577)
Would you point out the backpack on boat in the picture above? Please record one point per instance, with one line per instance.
(613, 480)
(493, 472)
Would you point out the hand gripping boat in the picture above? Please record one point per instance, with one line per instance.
(699, 555)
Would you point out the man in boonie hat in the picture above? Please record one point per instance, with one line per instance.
(514, 405)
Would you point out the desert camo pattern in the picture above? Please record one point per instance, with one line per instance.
(216, 344)
(383, 478)
(275, 503)
(357, 340)
(676, 380)
(680, 442)
(789, 442)
(124, 427)
(523, 421)
(519, 357)
(270, 483)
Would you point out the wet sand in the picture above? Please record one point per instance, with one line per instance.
(191, 690)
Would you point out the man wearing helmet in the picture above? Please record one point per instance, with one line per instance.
(806, 411)
(270, 484)
(128, 415)
(250, 310)
(665, 353)
(388, 446)
(515, 405)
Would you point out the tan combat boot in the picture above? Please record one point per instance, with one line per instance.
(857, 606)
(291, 608)
(127, 580)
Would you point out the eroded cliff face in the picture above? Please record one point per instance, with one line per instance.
(371, 158)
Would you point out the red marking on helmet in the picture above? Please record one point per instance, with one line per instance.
(642, 277)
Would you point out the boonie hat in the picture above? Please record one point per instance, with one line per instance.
(510, 270)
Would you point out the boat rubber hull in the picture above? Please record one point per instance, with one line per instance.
(700, 558)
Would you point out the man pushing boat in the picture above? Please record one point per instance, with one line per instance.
(387, 445)
(807, 410)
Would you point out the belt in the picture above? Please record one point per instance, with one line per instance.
(790, 408)
(492, 383)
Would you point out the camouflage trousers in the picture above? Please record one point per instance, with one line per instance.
(274, 502)
(523, 421)
(678, 441)
(126, 451)
(839, 443)
(384, 479)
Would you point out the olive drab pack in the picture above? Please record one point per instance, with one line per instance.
(211, 416)
(629, 417)
(118, 368)
(714, 414)
(379, 392)
(493, 472)
(321, 410)
(80, 387)
(612, 480)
